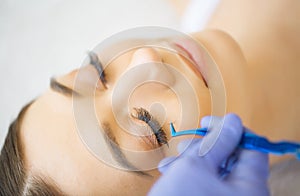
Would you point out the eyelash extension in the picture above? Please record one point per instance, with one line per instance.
(145, 116)
(95, 62)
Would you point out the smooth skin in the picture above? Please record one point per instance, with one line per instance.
(260, 74)
(54, 149)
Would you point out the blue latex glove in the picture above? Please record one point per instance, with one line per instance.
(196, 171)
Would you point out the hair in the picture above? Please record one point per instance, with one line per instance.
(15, 180)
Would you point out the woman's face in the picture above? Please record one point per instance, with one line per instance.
(53, 148)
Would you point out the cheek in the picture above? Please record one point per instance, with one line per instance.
(133, 184)
(100, 179)
(198, 86)
(158, 99)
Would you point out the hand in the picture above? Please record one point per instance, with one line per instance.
(196, 171)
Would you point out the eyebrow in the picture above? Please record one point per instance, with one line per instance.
(60, 88)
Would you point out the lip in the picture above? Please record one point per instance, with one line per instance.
(193, 52)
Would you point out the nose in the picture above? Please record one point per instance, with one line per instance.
(145, 55)
(152, 61)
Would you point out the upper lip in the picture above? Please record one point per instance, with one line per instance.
(190, 54)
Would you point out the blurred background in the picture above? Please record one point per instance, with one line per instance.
(40, 39)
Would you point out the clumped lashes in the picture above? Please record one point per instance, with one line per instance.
(145, 116)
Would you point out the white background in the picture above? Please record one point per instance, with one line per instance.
(40, 39)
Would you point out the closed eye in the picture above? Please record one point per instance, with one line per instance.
(95, 62)
(143, 115)
(58, 87)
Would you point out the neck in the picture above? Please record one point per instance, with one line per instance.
(261, 31)
(268, 35)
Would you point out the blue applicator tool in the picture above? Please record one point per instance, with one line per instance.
(251, 141)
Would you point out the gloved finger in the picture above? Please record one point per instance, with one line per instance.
(214, 125)
(252, 167)
(223, 138)
(188, 145)
(260, 165)
(206, 120)
(165, 164)
(192, 143)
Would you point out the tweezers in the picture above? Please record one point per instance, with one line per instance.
(251, 141)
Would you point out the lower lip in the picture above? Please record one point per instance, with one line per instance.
(195, 56)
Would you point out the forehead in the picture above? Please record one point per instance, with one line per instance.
(46, 125)
(52, 146)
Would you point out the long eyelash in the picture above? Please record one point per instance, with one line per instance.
(95, 62)
(144, 115)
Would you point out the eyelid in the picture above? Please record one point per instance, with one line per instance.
(143, 115)
(60, 88)
(95, 62)
(87, 81)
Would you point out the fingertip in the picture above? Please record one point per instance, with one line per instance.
(234, 119)
(165, 164)
(208, 143)
(210, 121)
(234, 125)
(225, 134)
(214, 126)
(205, 121)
